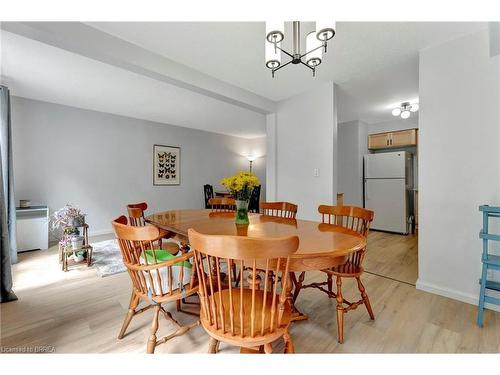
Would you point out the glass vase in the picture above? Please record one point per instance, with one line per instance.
(242, 212)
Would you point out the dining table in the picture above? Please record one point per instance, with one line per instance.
(321, 245)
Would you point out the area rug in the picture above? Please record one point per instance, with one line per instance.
(107, 258)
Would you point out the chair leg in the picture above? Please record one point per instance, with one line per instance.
(134, 301)
(237, 279)
(268, 348)
(330, 283)
(235, 272)
(340, 311)
(289, 348)
(213, 345)
(366, 301)
(154, 329)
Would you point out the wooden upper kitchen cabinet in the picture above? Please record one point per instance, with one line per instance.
(404, 138)
(380, 140)
(400, 138)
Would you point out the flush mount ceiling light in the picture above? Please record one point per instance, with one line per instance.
(404, 109)
(316, 45)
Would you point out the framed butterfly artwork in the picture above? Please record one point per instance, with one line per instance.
(166, 165)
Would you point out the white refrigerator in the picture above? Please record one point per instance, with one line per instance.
(388, 178)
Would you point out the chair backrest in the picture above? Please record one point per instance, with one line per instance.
(222, 204)
(279, 209)
(253, 206)
(235, 311)
(351, 217)
(208, 192)
(136, 213)
(155, 274)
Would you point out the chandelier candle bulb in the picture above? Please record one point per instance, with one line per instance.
(325, 30)
(275, 31)
(313, 58)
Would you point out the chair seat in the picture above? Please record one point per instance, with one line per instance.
(170, 281)
(345, 270)
(171, 247)
(259, 339)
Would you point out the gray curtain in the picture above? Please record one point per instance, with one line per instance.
(8, 246)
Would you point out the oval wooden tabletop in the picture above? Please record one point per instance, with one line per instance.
(316, 240)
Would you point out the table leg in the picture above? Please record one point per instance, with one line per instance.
(297, 285)
(251, 282)
(296, 314)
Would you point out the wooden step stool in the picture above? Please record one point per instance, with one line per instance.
(490, 262)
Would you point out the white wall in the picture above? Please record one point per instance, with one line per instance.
(101, 161)
(271, 158)
(350, 158)
(306, 139)
(459, 161)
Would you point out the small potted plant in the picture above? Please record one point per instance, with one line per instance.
(241, 186)
(68, 216)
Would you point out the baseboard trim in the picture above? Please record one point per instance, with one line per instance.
(453, 294)
(100, 232)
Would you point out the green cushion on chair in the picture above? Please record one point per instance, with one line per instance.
(162, 256)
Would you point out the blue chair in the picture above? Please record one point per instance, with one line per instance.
(490, 262)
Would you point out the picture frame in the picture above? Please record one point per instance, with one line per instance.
(166, 165)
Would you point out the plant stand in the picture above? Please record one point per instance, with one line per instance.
(66, 251)
(490, 262)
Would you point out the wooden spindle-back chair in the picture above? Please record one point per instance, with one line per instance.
(136, 213)
(253, 205)
(276, 209)
(279, 209)
(351, 217)
(248, 317)
(222, 204)
(208, 193)
(357, 219)
(157, 276)
(137, 219)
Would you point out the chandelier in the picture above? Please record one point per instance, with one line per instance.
(316, 45)
(404, 109)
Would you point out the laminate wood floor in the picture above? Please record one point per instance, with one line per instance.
(79, 312)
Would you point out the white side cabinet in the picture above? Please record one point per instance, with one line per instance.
(32, 225)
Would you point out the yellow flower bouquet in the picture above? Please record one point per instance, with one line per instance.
(241, 186)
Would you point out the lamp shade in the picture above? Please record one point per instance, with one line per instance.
(273, 56)
(325, 30)
(313, 58)
(414, 107)
(405, 114)
(396, 111)
(275, 31)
